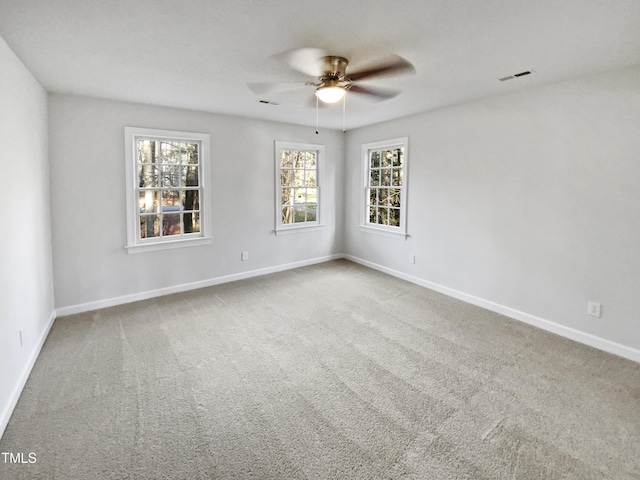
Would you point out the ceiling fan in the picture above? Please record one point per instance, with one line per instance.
(331, 78)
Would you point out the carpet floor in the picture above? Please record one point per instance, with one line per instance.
(332, 371)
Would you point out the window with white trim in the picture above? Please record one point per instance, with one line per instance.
(385, 186)
(298, 180)
(167, 198)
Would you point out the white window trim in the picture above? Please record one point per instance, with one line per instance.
(288, 229)
(138, 245)
(385, 230)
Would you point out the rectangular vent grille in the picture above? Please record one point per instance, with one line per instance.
(515, 75)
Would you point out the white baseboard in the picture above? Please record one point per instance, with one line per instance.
(7, 409)
(111, 302)
(564, 331)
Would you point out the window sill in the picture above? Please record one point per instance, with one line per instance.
(383, 232)
(301, 229)
(168, 245)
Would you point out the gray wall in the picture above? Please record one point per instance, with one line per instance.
(91, 265)
(529, 203)
(26, 285)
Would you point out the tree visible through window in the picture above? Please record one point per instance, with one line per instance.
(297, 184)
(165, 197)
(385, 185)
(298, 179)
(168, 187)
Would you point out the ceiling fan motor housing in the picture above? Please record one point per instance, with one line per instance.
(334, 68)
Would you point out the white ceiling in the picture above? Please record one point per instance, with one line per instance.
(200, 54)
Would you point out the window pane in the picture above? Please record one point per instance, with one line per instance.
(300, 195)
(189, 176)
(373, 196)
(287, 196)
(170, 175)
(149, 226)
(170, 198)
(383, 216)
(191, 222)
(374, 178)
(299, 178)
(383, 196)
(286, 177)
(397, 177)
(375, 159)
(385, 180)
(191, 199)
(286, 159)
(192, 153)
(170, 153)
(301, 158)
(310, 178)
(310, 160)
(147, 176)
(387, 158)
(312, 196)
(149, 201)
(372, 214)
(145, 153)
(311, 213)
(397, 157)
(170, 224)
(394, 197)
(287, 215)
(394, 217)
(299, 215)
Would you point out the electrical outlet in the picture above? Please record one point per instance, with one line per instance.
(412, 259)
(593, 309)
(245, 256)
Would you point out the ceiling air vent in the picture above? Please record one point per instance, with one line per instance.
(516, 75)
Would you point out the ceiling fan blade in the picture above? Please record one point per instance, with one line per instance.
(393, 65)
(306, 60)
(376, 93)
(260, 88)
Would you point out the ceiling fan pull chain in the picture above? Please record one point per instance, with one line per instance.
(344, 114)
(317, 108)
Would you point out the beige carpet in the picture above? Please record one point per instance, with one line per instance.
(332, 371)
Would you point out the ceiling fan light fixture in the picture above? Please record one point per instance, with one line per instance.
(330, 94)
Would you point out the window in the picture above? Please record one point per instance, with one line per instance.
(298, 172)
(385, 187)
(167, 203)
